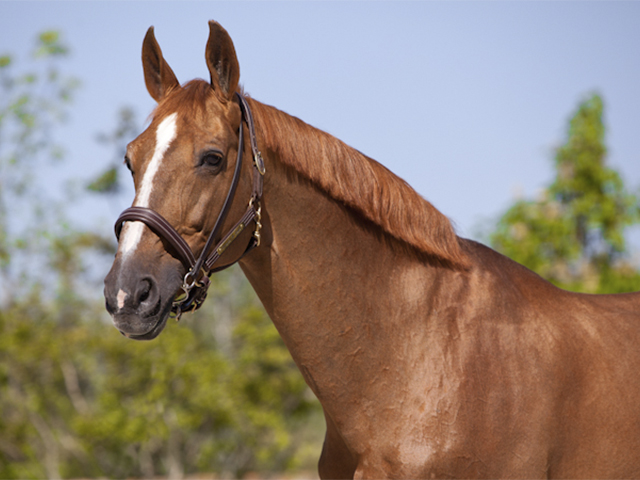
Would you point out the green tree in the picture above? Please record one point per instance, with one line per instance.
(573, 234)
(32, 105)
(79, 400)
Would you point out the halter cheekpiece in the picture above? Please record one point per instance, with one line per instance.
(196, 281)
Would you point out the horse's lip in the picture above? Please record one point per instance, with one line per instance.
(155, 330)
(151, 334)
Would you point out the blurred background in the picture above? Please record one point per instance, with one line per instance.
(518, 120)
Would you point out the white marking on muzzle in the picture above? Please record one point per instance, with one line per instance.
(122, 296)
(132, 231)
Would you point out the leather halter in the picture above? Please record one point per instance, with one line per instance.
(196, 281)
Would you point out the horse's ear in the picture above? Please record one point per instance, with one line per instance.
(222, 61)
(158, 76)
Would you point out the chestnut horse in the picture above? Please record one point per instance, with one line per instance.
(432, 356)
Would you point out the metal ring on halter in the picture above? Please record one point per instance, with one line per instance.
(186, 285)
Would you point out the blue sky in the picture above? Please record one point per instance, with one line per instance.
(464, 100)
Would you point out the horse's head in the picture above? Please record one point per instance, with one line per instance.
(184, 171)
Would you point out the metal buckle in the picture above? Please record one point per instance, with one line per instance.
(257, 219)
(257, 159)
(188, 283)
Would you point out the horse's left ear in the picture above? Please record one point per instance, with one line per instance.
(222, 61)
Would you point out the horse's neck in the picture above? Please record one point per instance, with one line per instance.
(333, 285)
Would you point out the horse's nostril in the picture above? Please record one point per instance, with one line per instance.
(144, 296)
(145, 290)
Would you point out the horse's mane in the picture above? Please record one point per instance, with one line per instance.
(359, 182)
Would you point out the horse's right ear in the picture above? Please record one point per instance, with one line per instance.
(158, 76)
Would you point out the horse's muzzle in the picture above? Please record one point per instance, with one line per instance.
(139, 305)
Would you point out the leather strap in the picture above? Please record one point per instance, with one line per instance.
(247, 218)
(160, 227)
(225, 206)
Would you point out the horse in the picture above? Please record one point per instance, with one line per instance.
(432, 355)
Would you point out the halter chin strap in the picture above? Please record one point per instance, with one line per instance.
(196, 281)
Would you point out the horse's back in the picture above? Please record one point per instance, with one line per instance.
(603, 412)
(565, 368)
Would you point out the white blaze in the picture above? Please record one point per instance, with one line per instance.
(132, 231)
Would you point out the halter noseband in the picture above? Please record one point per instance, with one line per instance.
(196, 281)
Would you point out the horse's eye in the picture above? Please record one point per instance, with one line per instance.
(212, 158)
(127, 163)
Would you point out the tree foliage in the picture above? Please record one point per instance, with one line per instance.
(33, 104)
(79, 400)
(574, 233)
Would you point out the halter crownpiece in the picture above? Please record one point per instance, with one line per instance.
(196, 281)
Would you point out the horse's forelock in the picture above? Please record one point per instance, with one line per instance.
(186, 101)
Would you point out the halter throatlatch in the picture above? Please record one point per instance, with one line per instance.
(196, 281)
